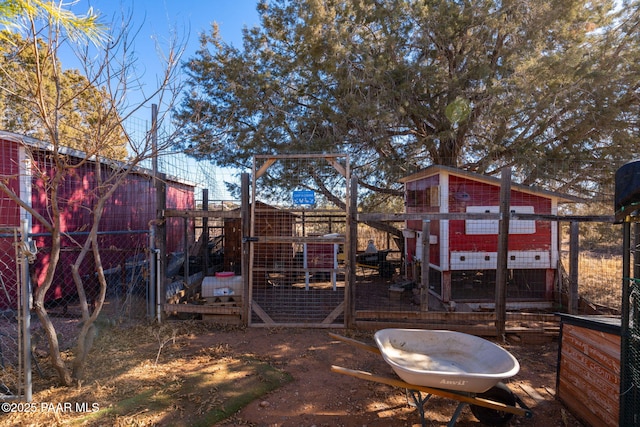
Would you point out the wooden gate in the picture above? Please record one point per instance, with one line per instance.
(297, 240)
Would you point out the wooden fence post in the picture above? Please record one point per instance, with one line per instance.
(424, 279)
(503, 251)
(204, 237)
(574, 242)
(350, 252)
(245, 221)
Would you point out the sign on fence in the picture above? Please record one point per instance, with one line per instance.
(304, 197)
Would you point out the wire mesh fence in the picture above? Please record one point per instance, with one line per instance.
(298, 236)
(12, 356)
(124, 260)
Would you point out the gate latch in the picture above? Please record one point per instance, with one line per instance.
(246, 239)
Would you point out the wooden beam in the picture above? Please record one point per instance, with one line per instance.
(424, 279)
(262, 314)
(267, 164)
(341, 170)
(573, 267)
(201, 213)
(200, 309)
(334, 314)
(399, 217)
(503, 250)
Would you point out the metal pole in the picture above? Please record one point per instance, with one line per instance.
(626, 379)
(25, 312)
(153, 273)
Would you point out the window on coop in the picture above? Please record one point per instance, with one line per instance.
(424, 197)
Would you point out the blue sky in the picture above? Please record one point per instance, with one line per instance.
(158, 20)
(159, 17)
(186, 19)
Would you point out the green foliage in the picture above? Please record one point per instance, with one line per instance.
(37, 96)
(16, 14)
(549, 88)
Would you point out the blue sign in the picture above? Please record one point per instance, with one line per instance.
(304, 197)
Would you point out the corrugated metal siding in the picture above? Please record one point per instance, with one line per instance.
(179, 196)
(131, 208)
(9, 218)
(9, 167)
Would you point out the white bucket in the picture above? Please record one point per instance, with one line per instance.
(221, 284)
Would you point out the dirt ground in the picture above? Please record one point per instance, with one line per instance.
(136, 385)
(319, 397)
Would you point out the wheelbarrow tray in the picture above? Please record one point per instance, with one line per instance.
(500, 408)
(445, 359)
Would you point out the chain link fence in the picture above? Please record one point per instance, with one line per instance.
(124, 257)
(15, 354)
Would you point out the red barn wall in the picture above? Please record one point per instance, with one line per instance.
(460, 247)
(131, 208)
(482, 194)
(9, 219)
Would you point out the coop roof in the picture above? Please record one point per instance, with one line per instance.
(491, 180)
(67, 151)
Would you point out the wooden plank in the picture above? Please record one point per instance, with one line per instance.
(267, 164)
(461, 397)
(589, 374)
(356, 343)
(532, 392)
(200, 309)
(334, 314)
(587, 410)
(226, 319)
(485, 331)
(593, 344)
(197, 213)
(262, 314)
(575, 373)
(444, 316)
(298, 325)
(533, 317)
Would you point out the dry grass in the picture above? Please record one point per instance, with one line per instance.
(599, 278)
(134, 382)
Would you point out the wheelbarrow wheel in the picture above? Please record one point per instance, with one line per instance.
(386, 269)
(492, 417)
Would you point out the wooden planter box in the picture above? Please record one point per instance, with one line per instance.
(588, 381)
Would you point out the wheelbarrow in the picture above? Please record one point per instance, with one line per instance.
(449, 364)
(376, 261)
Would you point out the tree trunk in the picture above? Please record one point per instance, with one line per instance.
(52, 339)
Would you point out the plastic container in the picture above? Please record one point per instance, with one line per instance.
(223, 283)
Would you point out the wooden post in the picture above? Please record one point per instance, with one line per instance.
(503, 251)
(424, 279)
(160, 223)
(574, 241)
(185, 242)
(244, 262)
(204, 237)
(351, 242)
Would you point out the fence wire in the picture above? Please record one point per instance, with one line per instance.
(13, 351)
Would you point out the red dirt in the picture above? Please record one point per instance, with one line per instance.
(319, 397)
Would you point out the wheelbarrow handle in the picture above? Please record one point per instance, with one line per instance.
(469, 398)
(356, 343)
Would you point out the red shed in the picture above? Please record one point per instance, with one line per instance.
(463, 253)
(25, 163)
